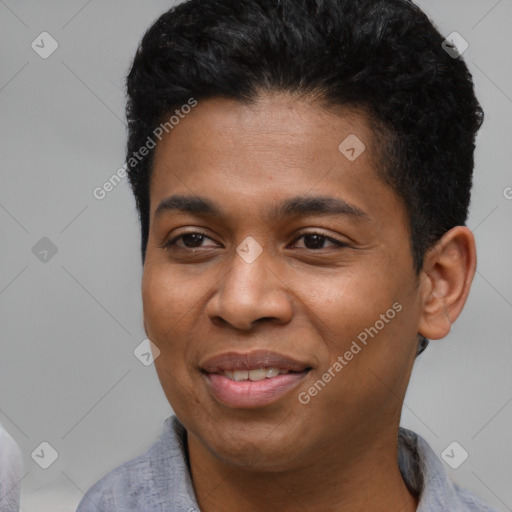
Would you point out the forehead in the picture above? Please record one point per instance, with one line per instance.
(280, 145)
(273, 121)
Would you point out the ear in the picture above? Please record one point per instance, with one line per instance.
(446, 277)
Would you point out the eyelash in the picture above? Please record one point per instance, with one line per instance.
(170, 243)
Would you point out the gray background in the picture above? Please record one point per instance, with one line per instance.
(68, 375)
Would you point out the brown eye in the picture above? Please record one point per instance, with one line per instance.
(192, 240)
(316, 241)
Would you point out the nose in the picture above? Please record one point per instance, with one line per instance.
(250, 293)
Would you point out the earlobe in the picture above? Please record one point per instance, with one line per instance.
(447, 274)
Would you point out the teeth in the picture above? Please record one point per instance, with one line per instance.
(257, 374)
(272, 372)
(239, 375)
(254, 375)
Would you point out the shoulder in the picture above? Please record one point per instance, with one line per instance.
(120, 487)
(470, 502)
(154, 481)
(425, 473)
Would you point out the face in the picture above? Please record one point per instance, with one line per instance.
(278, 284)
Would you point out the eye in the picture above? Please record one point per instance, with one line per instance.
(315, 241)
(192, 240)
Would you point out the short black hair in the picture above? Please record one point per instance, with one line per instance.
(382, 56)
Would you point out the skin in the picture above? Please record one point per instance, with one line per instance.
(307, 301)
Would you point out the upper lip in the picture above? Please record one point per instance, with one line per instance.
(231, 361)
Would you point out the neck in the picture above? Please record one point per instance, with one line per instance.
(356, 476)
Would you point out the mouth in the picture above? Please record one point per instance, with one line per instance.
(254, 379)
(254, 375)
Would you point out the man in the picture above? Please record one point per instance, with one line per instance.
(302, 170)
(10, 473)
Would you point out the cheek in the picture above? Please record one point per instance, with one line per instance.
(165, 304)
(156, 301)
(166, 301)
(366, 318)
(347, 302)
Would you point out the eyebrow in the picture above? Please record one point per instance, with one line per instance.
(293, 207)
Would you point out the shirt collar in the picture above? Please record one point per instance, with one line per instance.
(424, 474)
(421, 469)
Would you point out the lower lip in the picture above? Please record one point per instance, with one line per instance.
(248, 394)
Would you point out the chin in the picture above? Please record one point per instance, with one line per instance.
(250, 451)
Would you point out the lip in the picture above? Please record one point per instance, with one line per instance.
(249, 394)
(231, 361)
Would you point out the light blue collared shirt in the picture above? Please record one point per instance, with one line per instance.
(159, 480)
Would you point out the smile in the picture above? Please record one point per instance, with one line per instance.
(253, 379)
(255, 375)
